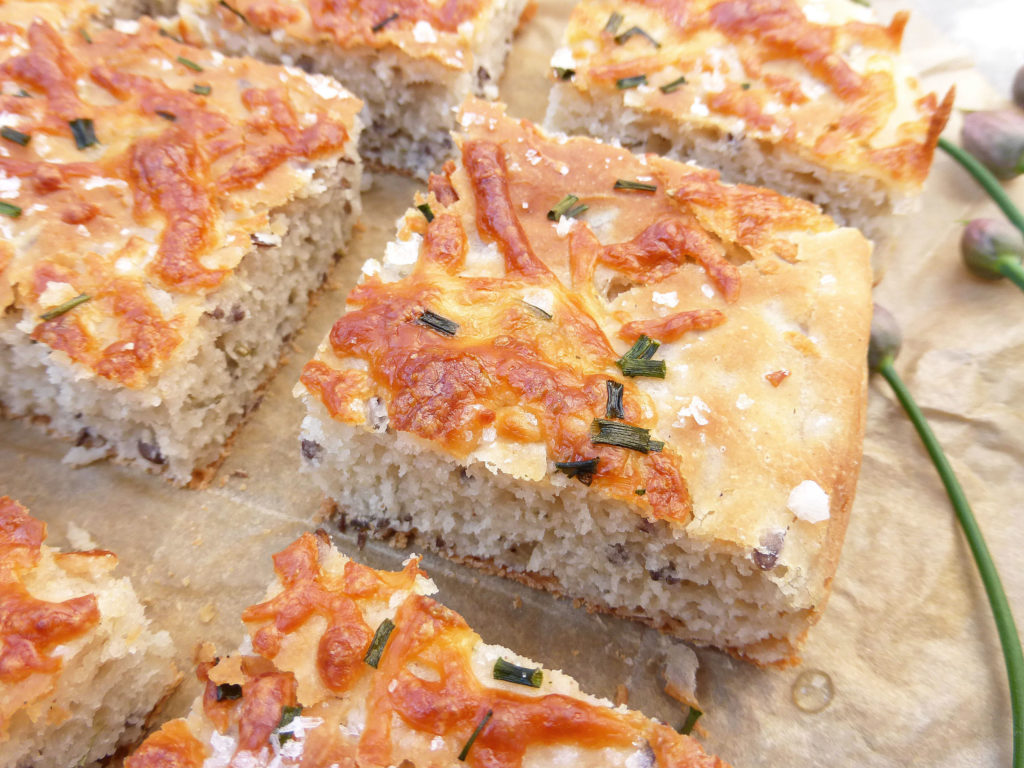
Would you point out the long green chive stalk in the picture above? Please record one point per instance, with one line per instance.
(885, 345)
(988, 181)
(1012, 269)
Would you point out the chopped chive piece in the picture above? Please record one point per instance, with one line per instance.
(235, 11)
(425, 210)
(642, 349)
(691, 720)
(582, 470)
(83, 131)
(605, 432)
(613, 410)
(564, 73)
(380, 639)
(287, 715)
(635, 186)
(85, 35)
(166, 115)
(164, 33)
(190, 64)
(567, 207)
(465, 750)
(631, 82)
(201, 90)
(23, 94)
(745, 86)
(9, 209)
(633, 32)
(508, 672)
(384, 22)
(67, 306)
(865, 3)
(229, 692)
(675, 85)
(612, 26)
(653, 369)
(538, 311)
(435, 322)
(640, 491)
(13, 135)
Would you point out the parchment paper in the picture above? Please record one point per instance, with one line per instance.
(907, 640)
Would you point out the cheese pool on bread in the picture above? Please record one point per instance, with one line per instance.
(80, 668)
(495, 387)
(165, 212)
(350, 666)
(809, 97)
(412, 63)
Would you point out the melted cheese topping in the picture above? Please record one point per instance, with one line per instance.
(819, 77)
(521, 381)
(31, 630)
(444, 32)
(430, 690)
(154, 216)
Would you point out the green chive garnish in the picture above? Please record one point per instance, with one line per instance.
(675, 85)
(287, 715)
(640, 491)
(865, 3)
(85, 35)
(655, 446)
(612, 25)
(582, 470)
(631, 82)
(435, 322)
(166, 115)
(84, 132)
(745, 86)
(229, 692)
(613, 410)
(567, 207)
(476, 732)
(384, 22)
(508, 672)
(425, 210)
(16, 136)
(9, 209)
(190, 64)
(23, 94)
(691, 720)
(164, 33)
(637, 360)
(636, 186)
(201, 90)
(380, 639)
(235, 11)
(634, 32)
(605, 432)
(564, 74)
(67, 306)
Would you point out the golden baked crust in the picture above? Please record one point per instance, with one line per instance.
(442, 32)
(819, 78)
(431, 687)
(149, 171)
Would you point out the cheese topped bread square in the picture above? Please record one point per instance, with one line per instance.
(412, 63)
(80, 668)
(349, 666)
(808, 97)
(608, 375)
(164, 214)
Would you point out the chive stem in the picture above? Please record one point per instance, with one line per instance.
(201, 90)
(236, 12)
(190, 64)
(606, 432)
(428, 214)
(985, 178)
(288, 713)
(10, 210)
(83, 131)
(384, 22)
(567, 207)
(476, 732)
(14, 135)
(1010, 267)
(508, 672)
(675, 85)
(613, 409)
(691, 720)
(1001, 612)
(635, 186)
(229, 692)
(67, 306)
(436, 322)
(634, 32)
(379, 642)
(612, 25)
(582, 470)
(630, 82)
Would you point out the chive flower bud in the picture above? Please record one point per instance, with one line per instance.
(987, 244)
(886, 338)
(996, 139)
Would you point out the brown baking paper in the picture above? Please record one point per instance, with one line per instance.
(907, 641)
